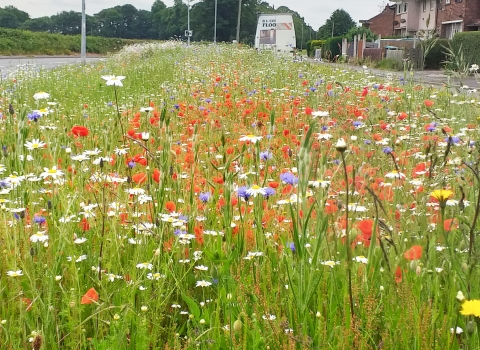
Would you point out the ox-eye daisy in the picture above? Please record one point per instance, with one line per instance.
(34, 144)
(113, 80)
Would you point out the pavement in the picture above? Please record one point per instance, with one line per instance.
(426, 77)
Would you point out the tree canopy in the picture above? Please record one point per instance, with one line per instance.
(163, 22)
(338, 24)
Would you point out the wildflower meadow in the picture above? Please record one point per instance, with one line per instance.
(215, 197)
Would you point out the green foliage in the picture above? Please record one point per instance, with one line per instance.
(435, 58)
(469, 42)
(339, 23)
(360, 31)
(332, 47)
(20, 42)
(388, 64)
(312, 45)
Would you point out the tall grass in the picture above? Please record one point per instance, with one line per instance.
(217, 218)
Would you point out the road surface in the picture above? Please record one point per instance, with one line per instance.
(12, 63)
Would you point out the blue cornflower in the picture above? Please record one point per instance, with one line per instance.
(269, 192)
(131, 164)
(453, 140)
(357, 123)
(387, 150)
(266, 155)
(242, 193)
(34, 116)
(38, 219)
(367, 142)
(289, 178)
(204, 196)
(291, 245)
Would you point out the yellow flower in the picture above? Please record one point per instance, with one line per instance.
(441, 195)
(471, 308)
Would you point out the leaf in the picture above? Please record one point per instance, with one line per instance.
(192, 306)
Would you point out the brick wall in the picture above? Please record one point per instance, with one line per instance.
(383, 23)
(455, 11)
(473, 12)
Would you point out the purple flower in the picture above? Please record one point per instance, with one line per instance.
(357, 123)
(131, 164)
(269, 192)
(289, 178)
(38, 219)
(387, 150)
(204, 196)
(367, 142)
(291, 245)
(453, 140)
(266, 155)
(34, 116)
(242, 193)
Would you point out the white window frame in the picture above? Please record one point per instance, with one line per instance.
(404, 7)
(399, 11)
(424, 5)
(447, 2)
(432, 4)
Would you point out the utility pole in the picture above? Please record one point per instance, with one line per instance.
(215, 25)
(333, 27)
(238, 20)
(83, 49)
(188, 23)
(301, 43)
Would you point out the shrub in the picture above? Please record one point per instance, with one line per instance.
(470, 43)
(436, 56)
(312, 45)
(389, 64)
(332, 47)
(17, 42)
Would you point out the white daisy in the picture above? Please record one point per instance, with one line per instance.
(251, 138)
(41, 96)
(16, 273)
(113, 80)
(255, 190)
(34, 144)
(40, 236)
(203, 284)
(53, 172)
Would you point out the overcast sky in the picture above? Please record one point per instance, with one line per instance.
(315, 12)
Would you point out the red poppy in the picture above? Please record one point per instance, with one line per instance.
(139, 178)
(156, 175)
(428, 103)
(79, 130)
(89, 297)
(414, 253)
(170, 206)
(398, 275)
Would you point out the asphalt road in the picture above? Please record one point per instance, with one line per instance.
(9, 63)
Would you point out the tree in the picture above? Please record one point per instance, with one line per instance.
(338, 24)
(67, 22)
(11, 17)
(370, 36)
(41, 24)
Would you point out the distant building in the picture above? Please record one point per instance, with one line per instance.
(382, 24)
(418, 17)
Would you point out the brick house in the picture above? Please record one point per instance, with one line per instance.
(382, 24)
(457, 16)
(418, 17)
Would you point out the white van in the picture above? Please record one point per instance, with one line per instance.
(275, 32)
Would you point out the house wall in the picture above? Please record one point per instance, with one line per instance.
(427, 17)
(413, 16)
(450, 12)
(472, 14)
(382, 24)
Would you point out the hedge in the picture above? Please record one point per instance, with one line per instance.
(332, 47)
(312, 45)
(24, 42)
(436, 57)
(470, 42)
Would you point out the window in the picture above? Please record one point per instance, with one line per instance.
(405, 7)
(424, 5)
(432, 4)
(399, 11)
(447, 2)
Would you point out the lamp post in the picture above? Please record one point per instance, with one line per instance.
(215, 25)
(238, 20)
(83, 49)
(188, 23)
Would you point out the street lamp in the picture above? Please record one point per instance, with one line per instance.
(215, 25)
(238, 20)
(83, 49)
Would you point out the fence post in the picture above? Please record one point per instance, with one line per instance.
(355, 46)
(344, 47)
(364, 39)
